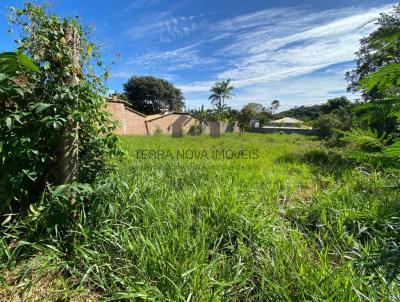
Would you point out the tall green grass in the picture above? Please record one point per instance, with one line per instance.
(298, 223)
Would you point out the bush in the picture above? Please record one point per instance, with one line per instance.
(158, 131)
(195, 130)
(327, 126)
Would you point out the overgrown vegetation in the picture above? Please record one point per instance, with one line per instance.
(377, 76)
(296, 222)
(47, 87)
(247, 217)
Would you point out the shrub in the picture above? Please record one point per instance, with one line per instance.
(327, 126)
(158, 131)
(195, 130)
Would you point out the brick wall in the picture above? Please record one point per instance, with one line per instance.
(223, 127)
(130, 122)
(135, 123)
(169, 121)
(117, 111)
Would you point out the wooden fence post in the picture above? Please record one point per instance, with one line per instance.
(69, 146)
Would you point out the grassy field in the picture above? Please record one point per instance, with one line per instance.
(246, 217)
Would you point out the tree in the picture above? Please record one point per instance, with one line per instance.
(248, 113)
(274, 107)
(220, 92)
(150, 95)
(379, 49)
(377, 75)
(335, 104)
(256, 107)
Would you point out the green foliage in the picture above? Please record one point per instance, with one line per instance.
(369, 146)
(150, 95)
(200, 114)
(119, 96)
(248, 113)
(195, 129)
(392, 150)
(326, 125)
(378, 77)
(378, 114)
(334, 104)
(13, 69)
(15, 176)
(296, 223)
(330, 125)
(158, 131)
(309, 113)
(379, 49)
(304, 113)
(256, 111)
(386, 80)
(381, 113)
(39, 101)
(228, 115)
(369, 138)
(12, 62)
(264, 117)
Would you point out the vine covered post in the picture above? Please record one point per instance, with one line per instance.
(57, 131)
(69, 147)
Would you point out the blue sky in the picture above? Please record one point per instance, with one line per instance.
(293, 51)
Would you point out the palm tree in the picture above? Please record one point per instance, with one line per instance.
(220, 92)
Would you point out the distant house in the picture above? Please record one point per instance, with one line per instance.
(287, 125)
(287, 122)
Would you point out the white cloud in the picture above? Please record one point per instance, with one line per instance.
(302, 90)
(272, 46)
(178, 59)
(197, 87)
(268, 54)
(164, 27)
(305, 90)
(156, 62)
(136, 4)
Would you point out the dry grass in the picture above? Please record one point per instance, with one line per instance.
(25, 283)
